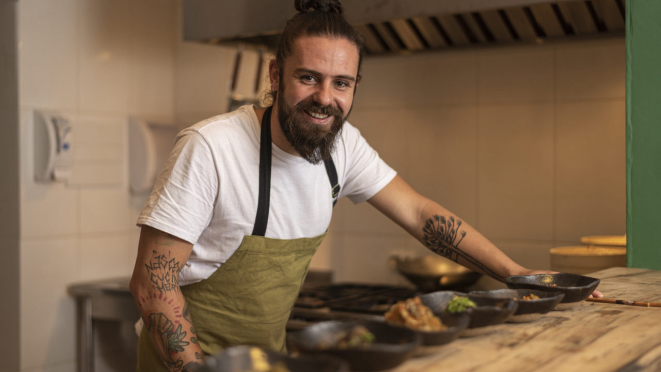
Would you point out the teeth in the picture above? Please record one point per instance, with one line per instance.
(316, 115)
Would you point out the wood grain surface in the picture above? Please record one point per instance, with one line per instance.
(590, 336)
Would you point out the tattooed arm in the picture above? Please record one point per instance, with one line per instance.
(155, 287)
(443, 232)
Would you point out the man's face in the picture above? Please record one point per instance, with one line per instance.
(315, 94)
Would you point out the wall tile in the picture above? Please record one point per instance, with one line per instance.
(515, 75)
(590, 182)
(67, 366)
(590, 70)
(531, 254)
(515, 172)
(105, 210)
(203, 76)
(437, 79)
(106, 256)
(442, 163)
(384, 131)
(364, 258)
(104, 55)
(97, 175)
(47, 53)
(48, 313)
(46, 208)
(152, 53)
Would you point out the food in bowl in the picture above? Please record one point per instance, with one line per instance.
(459, 305)
(532, 296)
(357, 337)
(413, 314)
(260, 362)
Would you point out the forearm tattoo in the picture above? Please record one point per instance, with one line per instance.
(168, 335)
(443, 236)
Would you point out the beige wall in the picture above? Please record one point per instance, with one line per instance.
(525, 143)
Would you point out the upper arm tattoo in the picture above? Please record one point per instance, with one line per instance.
(163, 272)
(443, 236)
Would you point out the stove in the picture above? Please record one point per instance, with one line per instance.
(344, 301)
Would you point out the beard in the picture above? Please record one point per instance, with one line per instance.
(313, 142)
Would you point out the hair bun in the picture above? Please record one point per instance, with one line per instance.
(326, 6)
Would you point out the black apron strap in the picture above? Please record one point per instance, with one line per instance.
(264, 199)
(332, 177)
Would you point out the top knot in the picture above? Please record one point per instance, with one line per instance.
(325, 6)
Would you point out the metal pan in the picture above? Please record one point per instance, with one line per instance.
(434, 273)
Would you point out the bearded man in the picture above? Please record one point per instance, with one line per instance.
(246, 198)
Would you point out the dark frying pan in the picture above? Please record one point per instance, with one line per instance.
(434, 273)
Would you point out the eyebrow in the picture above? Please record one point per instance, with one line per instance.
(313, 72)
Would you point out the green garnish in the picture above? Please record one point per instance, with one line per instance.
(459, 305)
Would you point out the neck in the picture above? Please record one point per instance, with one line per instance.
(277, 136)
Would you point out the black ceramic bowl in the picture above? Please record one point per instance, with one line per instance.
(392, 347)
(455, 323)
(489, 311)
(575, 287)
(527, 310)
(238, 359)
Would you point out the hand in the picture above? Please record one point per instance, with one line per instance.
(595, 294)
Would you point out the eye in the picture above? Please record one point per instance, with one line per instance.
(343, 84)
(308, 78)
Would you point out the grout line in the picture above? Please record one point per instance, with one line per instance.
(477, 141)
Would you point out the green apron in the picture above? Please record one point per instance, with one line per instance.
(247, 301)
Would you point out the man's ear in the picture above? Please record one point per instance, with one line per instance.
(274, 75)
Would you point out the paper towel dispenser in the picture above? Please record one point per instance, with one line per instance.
(52, 146)
(149, 146)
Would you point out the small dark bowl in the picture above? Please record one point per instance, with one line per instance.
(489, 311)
(527, 308)
(575, 287)
(237, 359)
(456, 324)
(392, 347)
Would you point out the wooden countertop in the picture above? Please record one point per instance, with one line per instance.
(588, 337)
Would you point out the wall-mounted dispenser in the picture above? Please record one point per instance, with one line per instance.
(52, 147)
(149, 146)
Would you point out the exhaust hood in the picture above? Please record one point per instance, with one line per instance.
(404, 26)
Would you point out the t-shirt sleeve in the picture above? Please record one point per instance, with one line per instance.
(185, 192)
(366, 173)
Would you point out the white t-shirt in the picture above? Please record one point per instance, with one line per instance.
(207, 193)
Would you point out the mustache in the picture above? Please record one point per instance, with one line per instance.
(313, 107)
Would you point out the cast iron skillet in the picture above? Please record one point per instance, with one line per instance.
(392, 347)
(575, 287)
(545, 303)
(489, 311)
(237, 359)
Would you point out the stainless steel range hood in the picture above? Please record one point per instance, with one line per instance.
(402, 26)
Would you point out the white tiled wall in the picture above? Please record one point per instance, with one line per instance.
(97, 62)
(525, 143)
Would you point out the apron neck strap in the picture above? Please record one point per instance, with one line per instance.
(264, 199)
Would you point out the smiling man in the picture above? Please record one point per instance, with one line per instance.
(246, 197)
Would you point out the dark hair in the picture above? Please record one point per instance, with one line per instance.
(317, 18)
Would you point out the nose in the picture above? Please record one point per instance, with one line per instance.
(323, 95)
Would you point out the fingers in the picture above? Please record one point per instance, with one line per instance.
(596, 294)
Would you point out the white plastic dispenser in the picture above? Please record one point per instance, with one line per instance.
(150, 144)
(53, 154)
